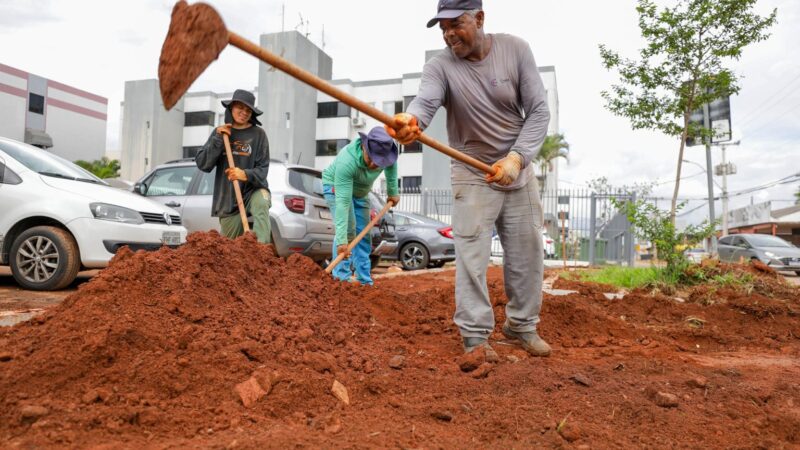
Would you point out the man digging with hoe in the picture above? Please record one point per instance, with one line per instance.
(497, 118)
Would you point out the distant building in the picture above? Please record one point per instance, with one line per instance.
(66, 121)
(304, 126)
(761, 218)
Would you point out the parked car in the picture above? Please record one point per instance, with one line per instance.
(382, 235)
(57, 218)
(300, 218)
(771, 250)
(422, 242)
(696, 255)
(547, 244)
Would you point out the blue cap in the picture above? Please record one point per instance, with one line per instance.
(450, 9)
(380, 146)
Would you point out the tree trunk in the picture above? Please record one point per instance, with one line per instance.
(672, 211)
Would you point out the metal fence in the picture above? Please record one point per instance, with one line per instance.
(580, 224)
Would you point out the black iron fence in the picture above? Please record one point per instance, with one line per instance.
(579, 225)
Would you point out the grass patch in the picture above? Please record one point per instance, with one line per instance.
(621, 277)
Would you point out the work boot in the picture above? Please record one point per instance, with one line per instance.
(530, 340)
(473, 343)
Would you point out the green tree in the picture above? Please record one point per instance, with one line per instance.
(553, 147)
(102, 168)
(682, 66)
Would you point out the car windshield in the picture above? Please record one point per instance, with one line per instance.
(45, 163)
(767, 241)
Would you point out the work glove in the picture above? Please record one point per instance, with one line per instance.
(405, 128)
(506, 170)
(235, 173)
(342, 249)
(394, 200)
(224, 129)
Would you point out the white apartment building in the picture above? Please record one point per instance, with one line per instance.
(65, 120)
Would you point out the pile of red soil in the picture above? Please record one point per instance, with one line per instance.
(150, 352)
(584, 287)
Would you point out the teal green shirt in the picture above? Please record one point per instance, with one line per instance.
(350, 177)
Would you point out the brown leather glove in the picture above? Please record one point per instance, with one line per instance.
(394, 200)
(405, 128)
(342, 249)
(506, 170)
(235, 173)
(224, 129)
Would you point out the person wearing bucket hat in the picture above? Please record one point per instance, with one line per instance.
(497, 113)
(250, 149)
(346, 184)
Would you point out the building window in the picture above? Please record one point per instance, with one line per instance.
(412, 184)
(35, 103)
(199, 118)
(330, 147)
(191, 152)
(332, 109)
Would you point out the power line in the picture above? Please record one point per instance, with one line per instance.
(753, 113)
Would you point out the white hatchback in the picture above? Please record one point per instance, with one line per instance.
(56, 218)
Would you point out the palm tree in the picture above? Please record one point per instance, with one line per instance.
(554, 147)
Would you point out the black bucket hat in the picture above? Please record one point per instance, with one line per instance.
(246, 98)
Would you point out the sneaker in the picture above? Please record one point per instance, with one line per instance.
(530, 341)
(473, 343)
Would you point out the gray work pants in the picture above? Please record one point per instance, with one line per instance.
(517, 216)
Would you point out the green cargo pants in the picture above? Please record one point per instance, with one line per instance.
(258, 206)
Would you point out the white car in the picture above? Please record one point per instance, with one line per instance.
(57, 218)
(547, 244)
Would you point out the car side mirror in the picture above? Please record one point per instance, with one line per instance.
(140, 188)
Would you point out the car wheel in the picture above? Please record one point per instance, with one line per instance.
(414, 256)
(44, 258)
(438, 264)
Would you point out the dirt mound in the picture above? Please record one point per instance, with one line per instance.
(159, 337)
(220, 344)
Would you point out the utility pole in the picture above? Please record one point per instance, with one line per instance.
(724, 170)
(711, 215)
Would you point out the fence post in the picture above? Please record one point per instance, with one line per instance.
(630, 249)
(592, 230)
(424, 200)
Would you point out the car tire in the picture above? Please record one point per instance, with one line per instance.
(57, 270)
(414, 256)
(438, 264)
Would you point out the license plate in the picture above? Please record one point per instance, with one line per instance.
(171, 238)
(325, 214)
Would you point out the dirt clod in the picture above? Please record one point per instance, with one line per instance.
(32, 413)
(397, 362)
(340, 392)
(666, 400)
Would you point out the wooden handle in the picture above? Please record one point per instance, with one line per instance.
(236, 189)
(358, 238)
(322, 85)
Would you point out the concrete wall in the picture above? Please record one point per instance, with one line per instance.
(290, 107)
(76, 136)
(151, 135)
(13, 107)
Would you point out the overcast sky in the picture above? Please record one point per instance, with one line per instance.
(97, 45)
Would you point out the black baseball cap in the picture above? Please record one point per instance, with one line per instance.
(450, 9)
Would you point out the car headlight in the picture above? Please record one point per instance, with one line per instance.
(104, 211)
(771, 255)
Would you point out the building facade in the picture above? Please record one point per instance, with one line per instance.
(308, 127)
(65, 120)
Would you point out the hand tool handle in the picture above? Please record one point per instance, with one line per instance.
(236, 189)
(358, 238)
(322, 85)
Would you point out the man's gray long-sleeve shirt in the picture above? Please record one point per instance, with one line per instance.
(250, 150)
(494, 106)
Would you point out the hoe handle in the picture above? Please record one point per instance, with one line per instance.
(236, 189)
(358, 238)
(322, 85)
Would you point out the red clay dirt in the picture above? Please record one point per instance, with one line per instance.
(161, 349)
